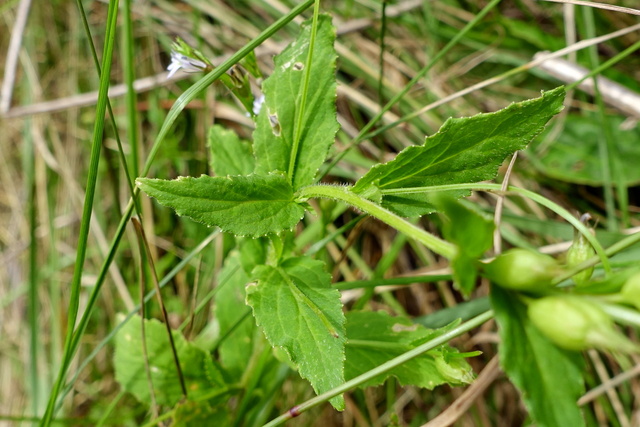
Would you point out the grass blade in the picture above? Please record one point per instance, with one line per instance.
(74, 299)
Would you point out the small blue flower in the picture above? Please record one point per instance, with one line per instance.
(188, 64)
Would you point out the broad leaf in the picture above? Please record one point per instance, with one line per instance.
(471, 231)
(201, 375)
(465, 150)
(549, 378)
(275, 126)
(252, 205)
(229, 154)
(375, 338)
(301, 314)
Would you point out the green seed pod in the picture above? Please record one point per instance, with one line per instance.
(522, 270)
(580, 251)
(631, 291)
(575, 323)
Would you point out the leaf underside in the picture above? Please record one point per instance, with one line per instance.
(376, 337)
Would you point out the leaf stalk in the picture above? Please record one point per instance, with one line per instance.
(345, 194)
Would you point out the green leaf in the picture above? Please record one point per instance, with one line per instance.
(376, 337)
(200, 373)
(464, 150)
(229, 154)
(274, 134)
(471, 231)
(300, 313)
(549, 378)
(252, 205)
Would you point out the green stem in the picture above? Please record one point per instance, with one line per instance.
(112, 117)
(610, 251)
(401, 280)
(521, 192)
(385, 367)
(92, 178)
(628, 316)
(129, 77)
(30, 184)
(344, 194)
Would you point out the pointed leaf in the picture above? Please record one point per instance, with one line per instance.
(274, 134)
(376, 337)
(300, 313)
(229, 154)
(549, 378)
(464, 150)
(252, 205)
(201, 375)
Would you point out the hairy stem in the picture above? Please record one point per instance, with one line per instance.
(344, 194)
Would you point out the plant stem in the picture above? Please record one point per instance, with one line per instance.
(385, 367)
(344, 194)
(92, 178)
(524, 193)
(626, 315)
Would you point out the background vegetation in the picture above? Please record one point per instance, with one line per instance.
(586, 161)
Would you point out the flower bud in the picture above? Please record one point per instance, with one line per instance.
(580, 251)
(522, 270)
(631, 291)
(575, 323)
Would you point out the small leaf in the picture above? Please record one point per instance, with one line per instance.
(200, 373)
(549, 378)
(464, 150)
(252, 205)
(274, 134)
(471, 231)
(376, 337)
(300, 313)
(229, 154)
